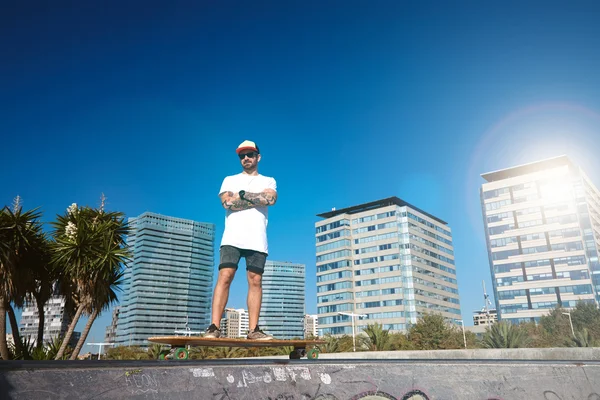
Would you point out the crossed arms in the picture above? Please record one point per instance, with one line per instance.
(233, 201)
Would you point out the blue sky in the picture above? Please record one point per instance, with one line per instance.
(350, 101)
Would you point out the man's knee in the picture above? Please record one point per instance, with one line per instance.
(226, 276)
(254, 280)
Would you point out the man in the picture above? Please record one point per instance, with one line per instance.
(246, 197)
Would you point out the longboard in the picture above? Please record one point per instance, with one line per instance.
(179, 352)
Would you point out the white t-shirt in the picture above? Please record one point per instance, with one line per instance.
(247, 229)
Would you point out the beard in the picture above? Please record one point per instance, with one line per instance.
(249, 166)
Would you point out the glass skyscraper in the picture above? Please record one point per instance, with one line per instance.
(283, 302)
(542, 224)
(168, 283)
(384, 262)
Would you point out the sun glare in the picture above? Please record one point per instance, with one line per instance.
(557, 187)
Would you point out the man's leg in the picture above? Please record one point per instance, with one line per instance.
(255, 264)
(229, 259)
(254, 298)
(221, 294)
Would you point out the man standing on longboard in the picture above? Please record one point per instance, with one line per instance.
(246, 197)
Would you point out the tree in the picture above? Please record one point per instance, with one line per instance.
(20, 233)
(334, 344)
(557, 327)
(400, 341)
(582, 338)
(226, 352)
(126, 353)
(586, 315)
(432, 332)
(503, 335)
(88, 248)
(104, 295)
(376, 339)
(40, 281)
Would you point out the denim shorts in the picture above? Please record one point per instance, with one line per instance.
(230, 257)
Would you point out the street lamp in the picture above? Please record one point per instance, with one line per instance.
(462, 323)
(570, 322)
(352, 316)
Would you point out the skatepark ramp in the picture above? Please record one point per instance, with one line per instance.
(339, 379)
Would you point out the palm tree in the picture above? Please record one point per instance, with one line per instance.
(155, 349)
(198, 353)
(335, 344)
(502, 335)
(40, 282)
(226, 352)
(89, 247)
(20, 233)
(104, 296)
(377, 339)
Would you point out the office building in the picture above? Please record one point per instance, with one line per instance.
(311, 326)
(56, 320)
(542, 224)
(485, 317)
(283, 302)
(168, 282)
(234, 323)
(384, 262)
(111, 330)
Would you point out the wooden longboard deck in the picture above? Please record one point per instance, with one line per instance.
(228, 342)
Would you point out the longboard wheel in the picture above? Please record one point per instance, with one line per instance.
(312, 354)
(297, 354)
(180, 354)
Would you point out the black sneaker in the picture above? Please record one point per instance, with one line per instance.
(257, 334)
(212, 332)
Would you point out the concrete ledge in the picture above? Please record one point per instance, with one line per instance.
(302, 380)
(558, 353)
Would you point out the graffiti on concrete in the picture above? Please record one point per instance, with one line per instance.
(550, 395)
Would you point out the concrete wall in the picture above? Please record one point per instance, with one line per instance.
(559, 353)
(302, 380)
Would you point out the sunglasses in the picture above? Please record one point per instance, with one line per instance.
(250, 155)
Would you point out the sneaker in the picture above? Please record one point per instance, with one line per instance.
(212, 332)
(257, 334)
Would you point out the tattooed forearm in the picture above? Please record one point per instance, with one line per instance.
(263, 198)
(233, 202)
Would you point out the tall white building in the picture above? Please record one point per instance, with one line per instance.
(384, 262)
(311, 326)
(56, 320)
(283, 303)
(542, 224)
(234, 323)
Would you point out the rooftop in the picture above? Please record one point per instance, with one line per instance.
(377, 204)
(526, 168)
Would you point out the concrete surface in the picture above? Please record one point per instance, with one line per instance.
(298, 379)
(559, 353)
